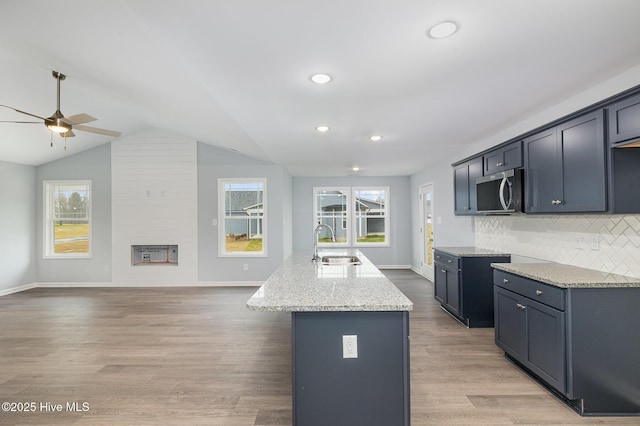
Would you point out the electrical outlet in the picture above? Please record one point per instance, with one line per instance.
(349, 346)
(245, 266)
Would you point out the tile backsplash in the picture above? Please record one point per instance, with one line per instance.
(609, 243)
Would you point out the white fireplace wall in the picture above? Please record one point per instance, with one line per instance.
(609, 243)
(154, 202)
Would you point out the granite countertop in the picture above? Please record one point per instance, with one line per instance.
(470, 251)
(300, 285)
(567, 276)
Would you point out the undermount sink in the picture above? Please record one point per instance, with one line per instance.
(340, 260)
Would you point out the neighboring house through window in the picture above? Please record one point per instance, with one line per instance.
(358, 216)
(67, 219)
(242, 207)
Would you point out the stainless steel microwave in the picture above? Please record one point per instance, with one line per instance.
(500, 192)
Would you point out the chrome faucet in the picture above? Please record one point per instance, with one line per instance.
(315, 239)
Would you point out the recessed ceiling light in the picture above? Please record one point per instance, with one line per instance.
(375, 138)
(322, 128)
(355, 169)
(321, 78)
(443, 30)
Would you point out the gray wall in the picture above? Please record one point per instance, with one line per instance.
(214, 163)
(398, 254)
(94, 165)
(17, 218)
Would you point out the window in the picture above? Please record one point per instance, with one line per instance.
(67, 219)
(331, 207)
(358, 216)
(371, 216)
(242, 207)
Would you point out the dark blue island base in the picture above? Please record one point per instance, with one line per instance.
(370, 390)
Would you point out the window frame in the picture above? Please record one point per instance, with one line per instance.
(222, 234)
(351, 218)
(48, 217)
(387, 220)
(338, 219)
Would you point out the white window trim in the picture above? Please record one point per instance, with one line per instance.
(387, 214)
(222, 234)
(48, 187)
(340, 221)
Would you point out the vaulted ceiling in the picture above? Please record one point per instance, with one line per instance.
(235, 74)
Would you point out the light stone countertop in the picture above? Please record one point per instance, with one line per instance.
(300, 285)
(567, 276)
(470, 251)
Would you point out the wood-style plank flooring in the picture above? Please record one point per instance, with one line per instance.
(181, 356)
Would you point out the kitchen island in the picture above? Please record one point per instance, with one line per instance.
(575, 330)
(350, 340)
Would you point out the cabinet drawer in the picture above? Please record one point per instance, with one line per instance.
(535, 290)
(447, 260)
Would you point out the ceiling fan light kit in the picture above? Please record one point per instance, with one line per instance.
(62, 125)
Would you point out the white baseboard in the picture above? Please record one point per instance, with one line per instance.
(17, 289)
(129, 284)
(393, 266)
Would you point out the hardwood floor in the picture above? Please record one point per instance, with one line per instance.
(198, 356)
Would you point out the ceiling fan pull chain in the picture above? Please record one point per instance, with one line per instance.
(51, 137)
(65, 141)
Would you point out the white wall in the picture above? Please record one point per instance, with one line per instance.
(17, 220)
(398, 254)
(214, 163)
(154, 202)
(94, 165)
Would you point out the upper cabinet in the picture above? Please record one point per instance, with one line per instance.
(504, 158)
(464, 182)
(624, 122)
(565, 168)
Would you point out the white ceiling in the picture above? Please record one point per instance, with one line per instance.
(235, 74)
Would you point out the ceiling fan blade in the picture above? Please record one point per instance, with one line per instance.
(21, 122)
(79, 119)
(97, 130)
(23, 112)
(68, 134)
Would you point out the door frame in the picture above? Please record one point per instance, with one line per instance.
(424, 268)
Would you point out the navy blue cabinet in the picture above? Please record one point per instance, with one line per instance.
(464, 181)
(565, 167)
(581, 341)
(464, 286)
(624, 121)
(504, 158)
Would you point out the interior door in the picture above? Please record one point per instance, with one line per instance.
(426, 230)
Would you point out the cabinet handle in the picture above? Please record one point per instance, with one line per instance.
(443, 270)
(521, 306)
(504, 280)
(499, 164)
(449, 260)
(538, 292)
(437, 257)
(556, 202)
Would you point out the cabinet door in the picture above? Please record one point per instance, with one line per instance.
(505, 158)
(624, 120)
(440, 283)
(582, 153)
(545, 354)
(453, 291)
(464, 182)
(542, 173)
(509, 322)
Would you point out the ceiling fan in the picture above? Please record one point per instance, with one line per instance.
(58, 123)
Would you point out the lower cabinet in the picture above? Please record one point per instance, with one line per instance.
(464, 287)
(533, 334)
(582, 343)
